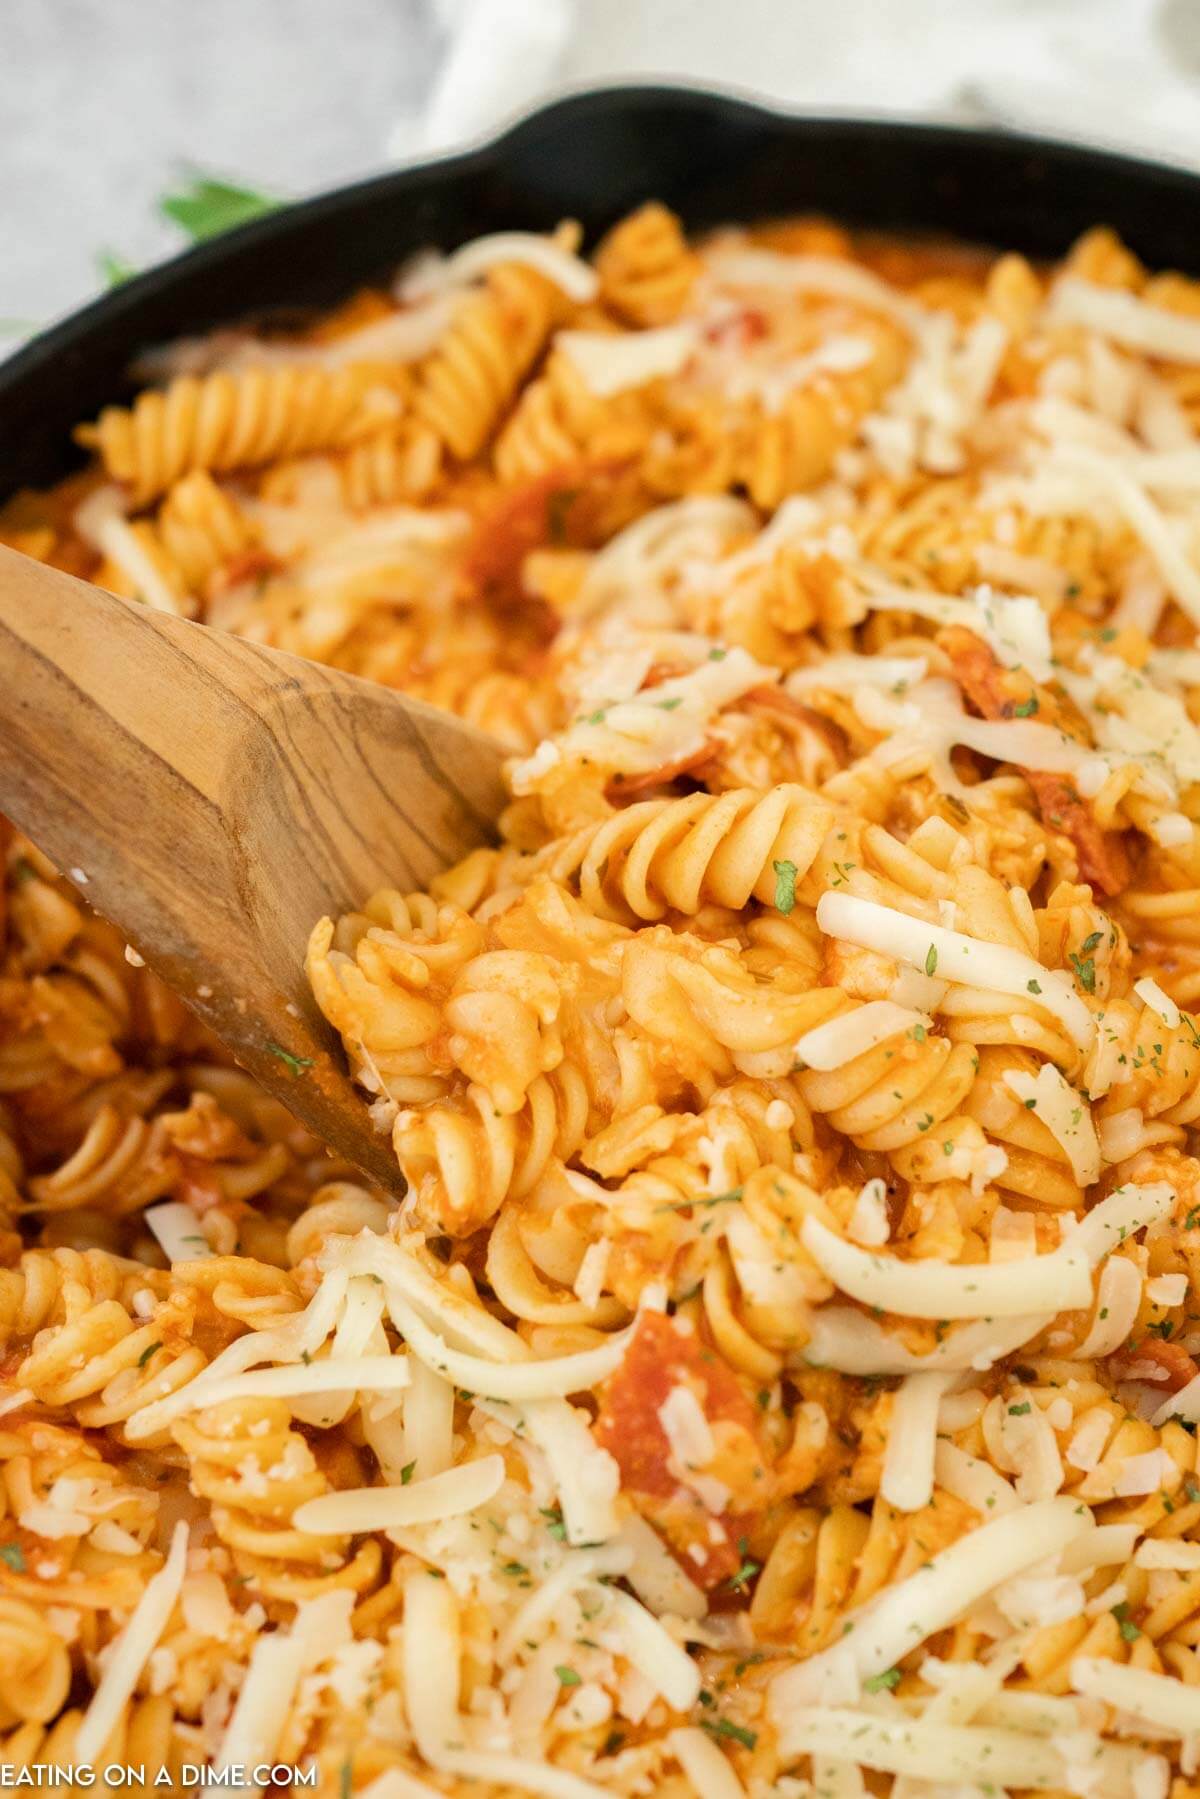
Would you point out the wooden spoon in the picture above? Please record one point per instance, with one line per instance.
(213, 799)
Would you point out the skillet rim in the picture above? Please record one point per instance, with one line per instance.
(1056, 175)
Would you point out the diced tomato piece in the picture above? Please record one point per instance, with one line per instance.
(1175, 1366)
(525, 519)
(660, 1358)
(623, 788)
(1104, 860)
(775, 699)
(995, 692)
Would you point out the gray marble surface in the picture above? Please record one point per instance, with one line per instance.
(102, 102)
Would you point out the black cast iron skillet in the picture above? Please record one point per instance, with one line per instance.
(711, 157)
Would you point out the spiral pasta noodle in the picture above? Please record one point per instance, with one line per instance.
(775, 1360)
(646, 267)
(471, 378)
(223, 422)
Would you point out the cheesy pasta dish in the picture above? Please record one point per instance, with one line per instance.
(779, 1379)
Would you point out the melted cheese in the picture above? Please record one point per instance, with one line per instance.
(1148, 1473)
(587, 1477)
(1118, 1301)
(829, 275)
(654, 1652)
(611, 362)
(973, 1481)
(869, 1223)
(852, 1343)
(687, 1430)
(434, 274)
(1157, 1699)
(1014, 626)
(971, 1754)
(908, 1458)
(900, 1618)
(1066, 1115)
(655, 1575)
(374, 1374)
(1114, 483)
(926, 1288)
(431, 1657)
(954, 957)
(1185, 1404)
(1134, 324)
(397, 1783)
(1168, 1553)
(552, 1378)
(131, 1652)
(840, 1041)
(706, 1768)
(177, 1229)
(447, 1495)
(100, 521)
(1152, 995)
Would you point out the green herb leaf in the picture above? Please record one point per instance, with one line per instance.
(294, 1064)
(1027, 708)
(878, 1683)
(931, 959)
(407, 1472)
(738, 1582)
(1128, 1628)
(147, 1353)
(702, 1204)
(554, 1523)
(114, 270)
(205, 206)
(785, 886)
(1085, 971)
(14, 1555)
(567, 1677)
(345, 1779)
(721, 1727)
(558, 510)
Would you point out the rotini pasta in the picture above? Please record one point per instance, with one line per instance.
(781, 1374)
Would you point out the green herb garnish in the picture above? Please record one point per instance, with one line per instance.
(205, 206)
(785, 886)
(1128, 1628)
(114, 270)
(721, 1727)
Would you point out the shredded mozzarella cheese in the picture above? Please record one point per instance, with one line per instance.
(131, 1652)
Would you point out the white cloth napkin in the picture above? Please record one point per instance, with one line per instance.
(1115, 72)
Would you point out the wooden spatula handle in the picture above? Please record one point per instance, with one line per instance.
(213, 798)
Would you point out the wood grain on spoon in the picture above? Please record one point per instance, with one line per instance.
(213, 799)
